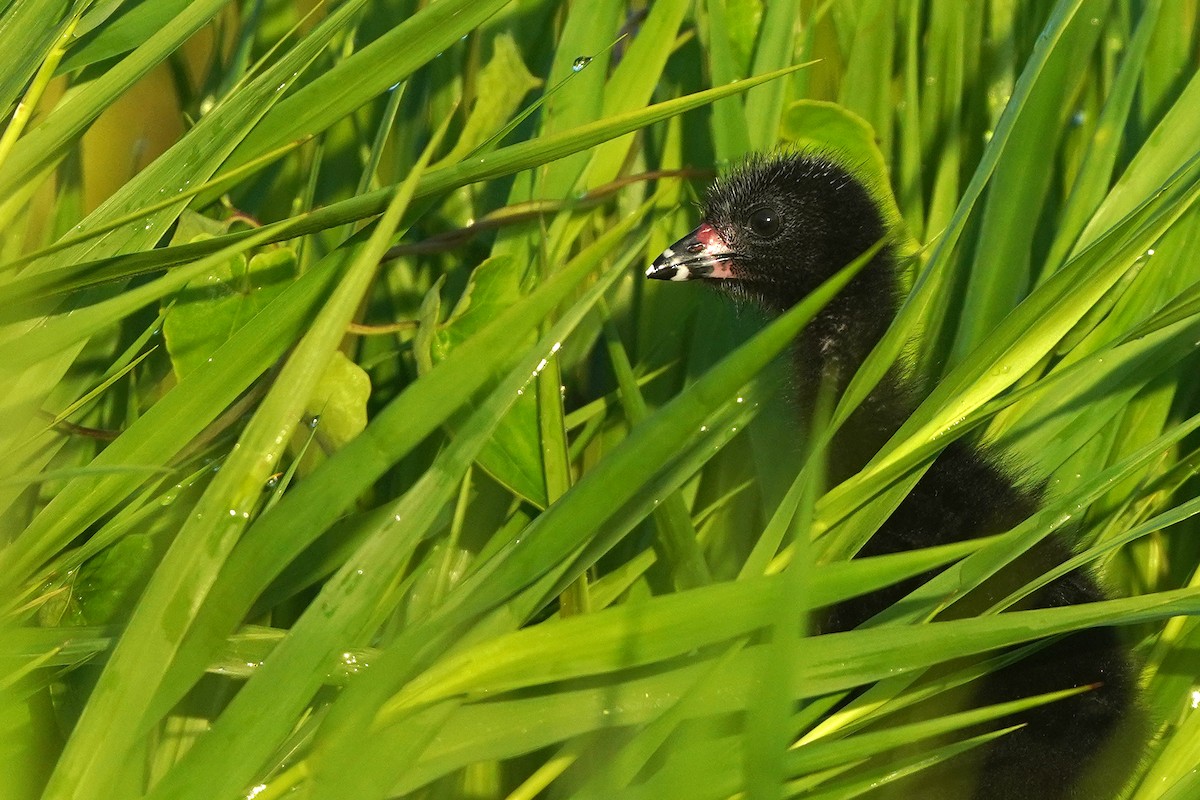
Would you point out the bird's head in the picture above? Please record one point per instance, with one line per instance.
(775, 228)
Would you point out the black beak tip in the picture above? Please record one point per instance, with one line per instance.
(661, 270)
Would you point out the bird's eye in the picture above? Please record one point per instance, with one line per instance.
(765, 222)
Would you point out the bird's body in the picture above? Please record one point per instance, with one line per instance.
(772, 232)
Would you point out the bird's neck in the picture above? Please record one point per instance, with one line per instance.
(832, 348)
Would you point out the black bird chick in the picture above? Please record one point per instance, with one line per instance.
(773, 231)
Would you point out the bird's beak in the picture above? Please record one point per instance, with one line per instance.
(703, 253)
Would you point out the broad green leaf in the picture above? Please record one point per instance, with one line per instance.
(502, 84)
(511, 455)
(338, 404)
(103, 588)
(212, 306)
(159, 434)
(829, 128)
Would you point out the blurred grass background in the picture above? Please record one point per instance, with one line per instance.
(348, 453)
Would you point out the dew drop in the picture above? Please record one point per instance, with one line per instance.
(580, 63)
